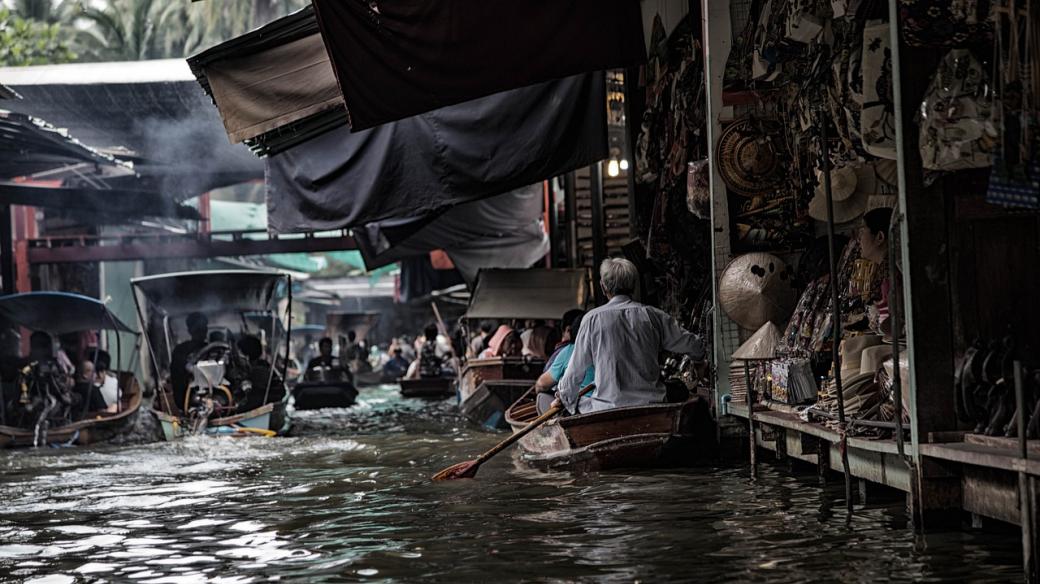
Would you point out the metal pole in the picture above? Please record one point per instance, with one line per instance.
(896, 326)
(750, 418)
(832, 253)
(599, 242)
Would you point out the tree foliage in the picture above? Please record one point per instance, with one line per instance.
(31, 42)
(118, 30)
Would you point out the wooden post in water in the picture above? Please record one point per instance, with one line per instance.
(1025, 483)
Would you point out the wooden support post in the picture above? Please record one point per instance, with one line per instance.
(7, 277)
(570, 214)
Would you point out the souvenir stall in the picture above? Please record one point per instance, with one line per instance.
(889, 170)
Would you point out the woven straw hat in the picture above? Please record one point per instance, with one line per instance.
(761, 346)
(755, 288)
(850, 189)
(751, 159)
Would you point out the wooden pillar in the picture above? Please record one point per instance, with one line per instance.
(716, 32)
(926, 214)
(6, 250)
(570, 214)
(635, 104)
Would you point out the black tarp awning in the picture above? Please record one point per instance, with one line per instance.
(29, 145)
(59, 313)
(155, 109)
(399, 59)
(425, 164)
(532, 293)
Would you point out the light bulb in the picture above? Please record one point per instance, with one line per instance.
(624, 164)
(613, 168)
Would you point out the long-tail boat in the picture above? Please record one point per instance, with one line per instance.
(40, 405)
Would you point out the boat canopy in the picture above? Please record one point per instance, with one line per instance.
(532, 293)
(59, 313)
(212, 291)
(359, 322)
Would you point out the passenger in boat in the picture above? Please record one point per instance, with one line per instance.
(325, 367)
(498, 346)
(265, 384)
(88, 389)
(479, 341)
(198, 326)
(536, 343)
(431, 357)
(623, 340)
(397, 366)
(107, 383)
(556, 370)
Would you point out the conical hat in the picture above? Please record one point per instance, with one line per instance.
(755, 288)
(850, 188)
(761, 346)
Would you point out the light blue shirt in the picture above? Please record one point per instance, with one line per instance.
(622, 340)
(559, 366)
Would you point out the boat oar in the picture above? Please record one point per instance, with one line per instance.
(468, 469)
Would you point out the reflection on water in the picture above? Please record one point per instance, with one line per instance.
(348, 498)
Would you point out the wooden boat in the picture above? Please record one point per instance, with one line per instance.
(488, 386)
(315, 395)
(60, 313)
(428, 388)
(657, 435)
(95, 428)
(237, 303)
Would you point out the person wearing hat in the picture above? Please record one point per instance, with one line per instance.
(622, 340)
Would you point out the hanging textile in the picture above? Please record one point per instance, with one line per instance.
(425, 164)
(504, 231)
(877, 119)
(398, 59)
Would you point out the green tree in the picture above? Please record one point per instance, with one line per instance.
(49, 11)
(130, 30)
(30, 42)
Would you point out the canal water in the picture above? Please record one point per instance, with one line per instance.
(347, 498)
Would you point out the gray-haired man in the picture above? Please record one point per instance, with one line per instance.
(622, 340)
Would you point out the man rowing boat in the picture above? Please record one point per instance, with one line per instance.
(622, 340)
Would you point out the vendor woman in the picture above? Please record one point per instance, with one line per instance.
(873, 243)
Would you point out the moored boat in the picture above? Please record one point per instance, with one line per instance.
(650, 436)
(428, 387)
(43, 404)
(316, 395)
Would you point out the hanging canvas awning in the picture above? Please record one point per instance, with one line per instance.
(399, 59)
(428, 163)
(503, 231)
(533, 293)
(274, 86)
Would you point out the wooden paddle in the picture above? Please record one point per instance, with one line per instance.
(468, 469)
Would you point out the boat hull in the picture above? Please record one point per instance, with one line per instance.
(651, 436)
(429, 388)
(487, 405)
(315, 395)
(268, 420)
(98, 429)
